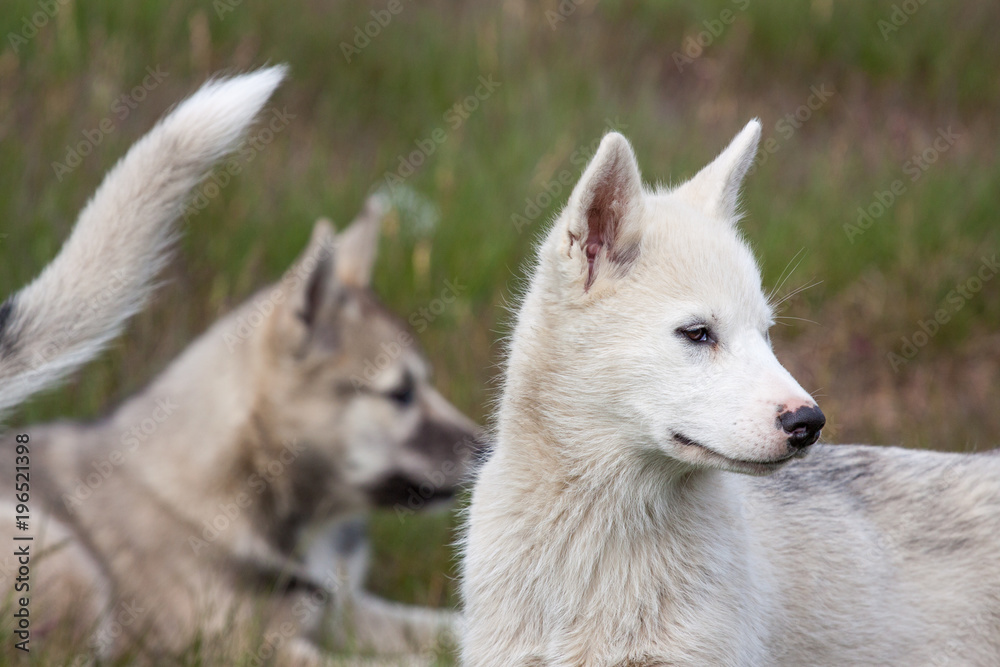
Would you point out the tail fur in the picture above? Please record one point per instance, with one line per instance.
(104, 273)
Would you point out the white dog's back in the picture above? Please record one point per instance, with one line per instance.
(879, 555)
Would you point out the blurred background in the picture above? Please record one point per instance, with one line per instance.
(873, 205)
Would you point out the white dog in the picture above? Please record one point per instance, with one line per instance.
(647, 502)
(104, 273)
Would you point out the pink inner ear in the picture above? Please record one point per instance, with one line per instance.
(593, 247)
(597, 238)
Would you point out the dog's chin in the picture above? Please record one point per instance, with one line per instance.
(399, 490)
(695, 453)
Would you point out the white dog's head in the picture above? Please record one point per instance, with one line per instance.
(647, 310)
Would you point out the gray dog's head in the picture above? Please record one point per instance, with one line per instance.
(346, 380)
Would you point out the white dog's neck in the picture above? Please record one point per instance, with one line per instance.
(572, 516)
(568, 543)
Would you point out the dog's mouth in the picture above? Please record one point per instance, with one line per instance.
(400, 490)
(704, 455)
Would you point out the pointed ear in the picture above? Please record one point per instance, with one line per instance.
(358, 244)
(313, 277)
(716, 188)
(604, 212)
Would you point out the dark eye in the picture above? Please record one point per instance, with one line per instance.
(403, 394)
(697, 334)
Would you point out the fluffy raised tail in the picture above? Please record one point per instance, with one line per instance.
(104, 273)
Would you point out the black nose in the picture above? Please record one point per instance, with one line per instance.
(803, 425)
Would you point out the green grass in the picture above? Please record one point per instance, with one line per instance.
(607, 60)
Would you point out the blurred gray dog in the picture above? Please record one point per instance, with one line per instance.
(213, 503)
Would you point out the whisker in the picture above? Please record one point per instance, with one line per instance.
(783, 277)
(796, 291)
(790, 317)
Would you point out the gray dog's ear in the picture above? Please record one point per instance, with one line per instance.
(315, 285)
(310, 288)
(308, 293)
(604, 212)
(320, 283)
(357, 245)
(716, 188)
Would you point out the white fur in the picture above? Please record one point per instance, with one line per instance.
(596, 537)
(246, 462)
(104, 272)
